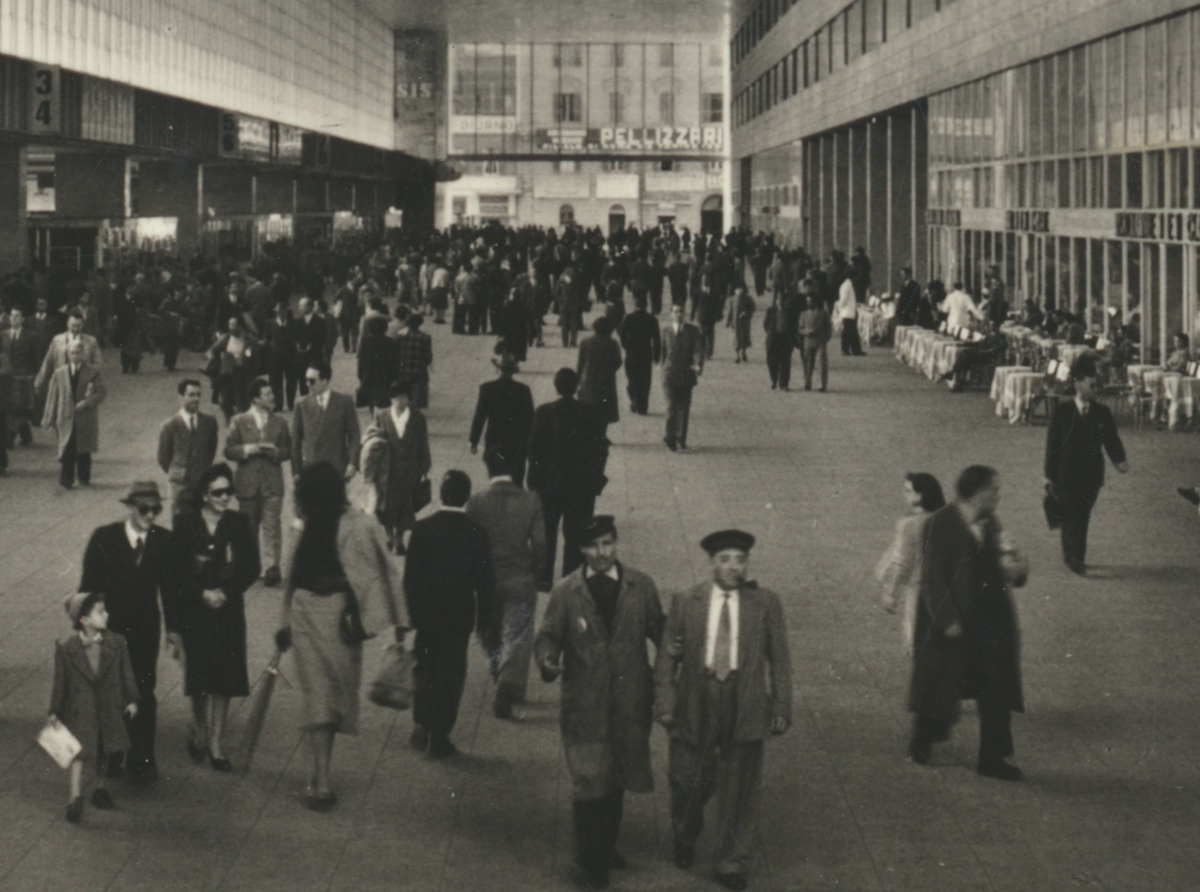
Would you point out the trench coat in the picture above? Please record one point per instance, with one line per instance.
(62, 415)
(91, 704)
(402, 466)
(599, 360)
(608, 684)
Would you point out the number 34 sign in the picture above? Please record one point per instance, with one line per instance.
(45, 112)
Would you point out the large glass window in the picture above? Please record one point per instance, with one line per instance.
(1079, 100)
(1034, 70)
(1179, 125)
(1062, 103)
(1133, 180)
(1097, 125)
(1114, 63)
(568, 108)
(1155, 180)
(485, 81)
(1156, 83)
(1095, 182)
(712, 108)
(666, 109)
(1135, 95)
(568, 55)
(1115, 176)
(854, 30)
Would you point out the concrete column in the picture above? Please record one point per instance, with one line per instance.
(14, 235)
(919, 165)
(876, 242)
(899, 197)
(825, 224)
(856, 218)
(841, 190)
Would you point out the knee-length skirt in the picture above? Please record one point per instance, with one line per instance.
(329, 670)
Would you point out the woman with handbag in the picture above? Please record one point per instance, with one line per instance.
(401, 475)
(900, 567)
(343, 589)
(219, 561)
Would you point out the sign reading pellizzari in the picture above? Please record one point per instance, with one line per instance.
(630, 140)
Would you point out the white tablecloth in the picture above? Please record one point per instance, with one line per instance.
(1180, 393)
(1019, 390)
(999, 381)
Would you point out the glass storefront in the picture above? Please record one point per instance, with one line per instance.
(1079, 175)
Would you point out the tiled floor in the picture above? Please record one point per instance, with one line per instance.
(1111, 670)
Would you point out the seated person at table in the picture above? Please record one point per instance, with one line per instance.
(1033, 316)
(1180, 356)
(990, 351)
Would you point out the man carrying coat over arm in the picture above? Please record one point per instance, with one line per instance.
(724, 641)
(594, 634)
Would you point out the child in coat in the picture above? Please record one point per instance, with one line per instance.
(93, 686)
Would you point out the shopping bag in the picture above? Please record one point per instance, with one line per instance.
(393, 686)
(57, 740)
(1052, 507)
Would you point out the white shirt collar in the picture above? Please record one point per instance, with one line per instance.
(323, 399)
(260, 417)
(612, 573)
(133, 534)
(400, 420)
(188, 419)
(500, 478)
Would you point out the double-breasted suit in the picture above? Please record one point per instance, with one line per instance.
(258, 478)
(91, 702)
(504, 418)
(717, 728)
(325, 435)
(184, 454)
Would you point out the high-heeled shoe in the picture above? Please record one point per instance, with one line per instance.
(219, 764)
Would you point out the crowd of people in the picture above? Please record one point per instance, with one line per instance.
(720, 679)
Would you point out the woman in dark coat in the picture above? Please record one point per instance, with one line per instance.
(376, 364)
(219, 561)
(599, 359)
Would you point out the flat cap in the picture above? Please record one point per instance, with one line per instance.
(724, 539)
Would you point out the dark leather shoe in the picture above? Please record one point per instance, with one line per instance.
(101, 799)
(670, 443)
(195, 751)
(75, 809)
(1000, 770)
(917, 755)
(272, 577)
(219, 764)
(420, 738)
(1191, 493)
(733, 881)
(442, 748)
(684, 855)
(1077, 568)
(502, 706)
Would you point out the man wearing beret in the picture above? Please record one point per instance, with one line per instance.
(132, 563)
(724, 641)
(594, 634)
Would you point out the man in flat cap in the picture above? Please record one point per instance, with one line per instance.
(132, 563)
(594, 634)
(724, 641)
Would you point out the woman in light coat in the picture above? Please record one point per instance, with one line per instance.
(899, 570)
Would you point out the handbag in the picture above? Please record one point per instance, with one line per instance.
(350, 625)
(394, 686)
(1053, 508)
(422, 494)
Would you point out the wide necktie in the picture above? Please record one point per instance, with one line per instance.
(723, 646)
(138, 551)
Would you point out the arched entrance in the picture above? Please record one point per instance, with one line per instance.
(712, 217)
(616, 218)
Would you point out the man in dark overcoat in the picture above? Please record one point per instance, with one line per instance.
(642, 340)
(599, 360)
(448, 584)
(504, 417)
(594, 635)
(1081, 431)
(683, 362)
(966, 639)
(723, 686)
(133, 562)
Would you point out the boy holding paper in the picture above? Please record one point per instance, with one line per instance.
(93, 685)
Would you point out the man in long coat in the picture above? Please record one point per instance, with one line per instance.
(965, 643)
(404, 462)
(56, 354)
(599, 360)
(594, 634)
(642, 340)
(504, 417)
(724, 684)
(683, 361)
(72, 409)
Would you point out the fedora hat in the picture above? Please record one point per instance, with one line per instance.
(142, 491)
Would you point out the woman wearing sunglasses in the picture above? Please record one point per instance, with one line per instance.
(218, 562)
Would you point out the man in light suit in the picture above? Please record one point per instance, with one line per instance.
(325, 425)
(724, 641)
(72, 409)
(259, 441)
(56, 355)
(516, 531)
(683, 362)
(187, 445)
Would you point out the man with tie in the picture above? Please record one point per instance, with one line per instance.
(723, 685)
(133, 563)
(19, 347)
(187, 445)
(72, 402)
(309, 336)
(260, 443)
(683, 362)
(325, 425)
(56, 354)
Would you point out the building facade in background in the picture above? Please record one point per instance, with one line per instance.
(598, 134)
(1059, 143)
